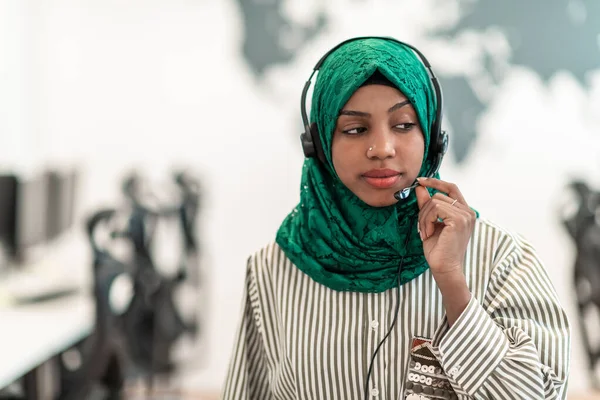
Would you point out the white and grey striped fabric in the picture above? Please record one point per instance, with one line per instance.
(298, 339)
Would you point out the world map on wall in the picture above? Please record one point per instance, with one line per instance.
(545, 36)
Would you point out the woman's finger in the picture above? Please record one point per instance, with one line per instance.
(441, 212)
(445, 187)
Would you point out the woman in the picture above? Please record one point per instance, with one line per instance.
(366, 296)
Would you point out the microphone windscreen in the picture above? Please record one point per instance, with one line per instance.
(402, 194)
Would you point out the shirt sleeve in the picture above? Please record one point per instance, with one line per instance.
(247, 375)
(515, 344)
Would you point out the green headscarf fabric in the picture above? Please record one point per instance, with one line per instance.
(332, 236)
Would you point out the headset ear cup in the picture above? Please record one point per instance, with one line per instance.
(308, 147)
(311, 143)
(318, 146)
(443, 143)
(314, 132)
(440, 151)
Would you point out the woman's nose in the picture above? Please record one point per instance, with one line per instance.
(382, 146)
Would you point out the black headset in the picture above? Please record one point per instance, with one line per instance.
(438, 143)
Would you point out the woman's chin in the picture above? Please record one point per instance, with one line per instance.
(382, 199)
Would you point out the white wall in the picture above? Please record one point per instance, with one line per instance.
(154, 84)
(15, 92)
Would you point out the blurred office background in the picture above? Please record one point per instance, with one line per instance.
(94, 91)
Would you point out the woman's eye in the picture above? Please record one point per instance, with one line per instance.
(405, 126)
(355, 131)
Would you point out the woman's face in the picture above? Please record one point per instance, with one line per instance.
(378, 144)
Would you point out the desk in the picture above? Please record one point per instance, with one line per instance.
(31, 334)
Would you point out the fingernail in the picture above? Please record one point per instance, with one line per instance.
(421, 179)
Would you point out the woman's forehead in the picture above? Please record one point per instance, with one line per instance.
(376, 94)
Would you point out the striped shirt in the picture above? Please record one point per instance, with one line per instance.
(298, 339)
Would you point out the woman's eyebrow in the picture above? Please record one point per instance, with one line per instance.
(399, 105)
(354, 113)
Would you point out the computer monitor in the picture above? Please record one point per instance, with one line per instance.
(23, 213)
(8, 214)
(62, 188)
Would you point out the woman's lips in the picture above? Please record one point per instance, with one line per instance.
(383, 183)
(382, 178)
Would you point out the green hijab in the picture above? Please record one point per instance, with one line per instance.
(332, 235)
